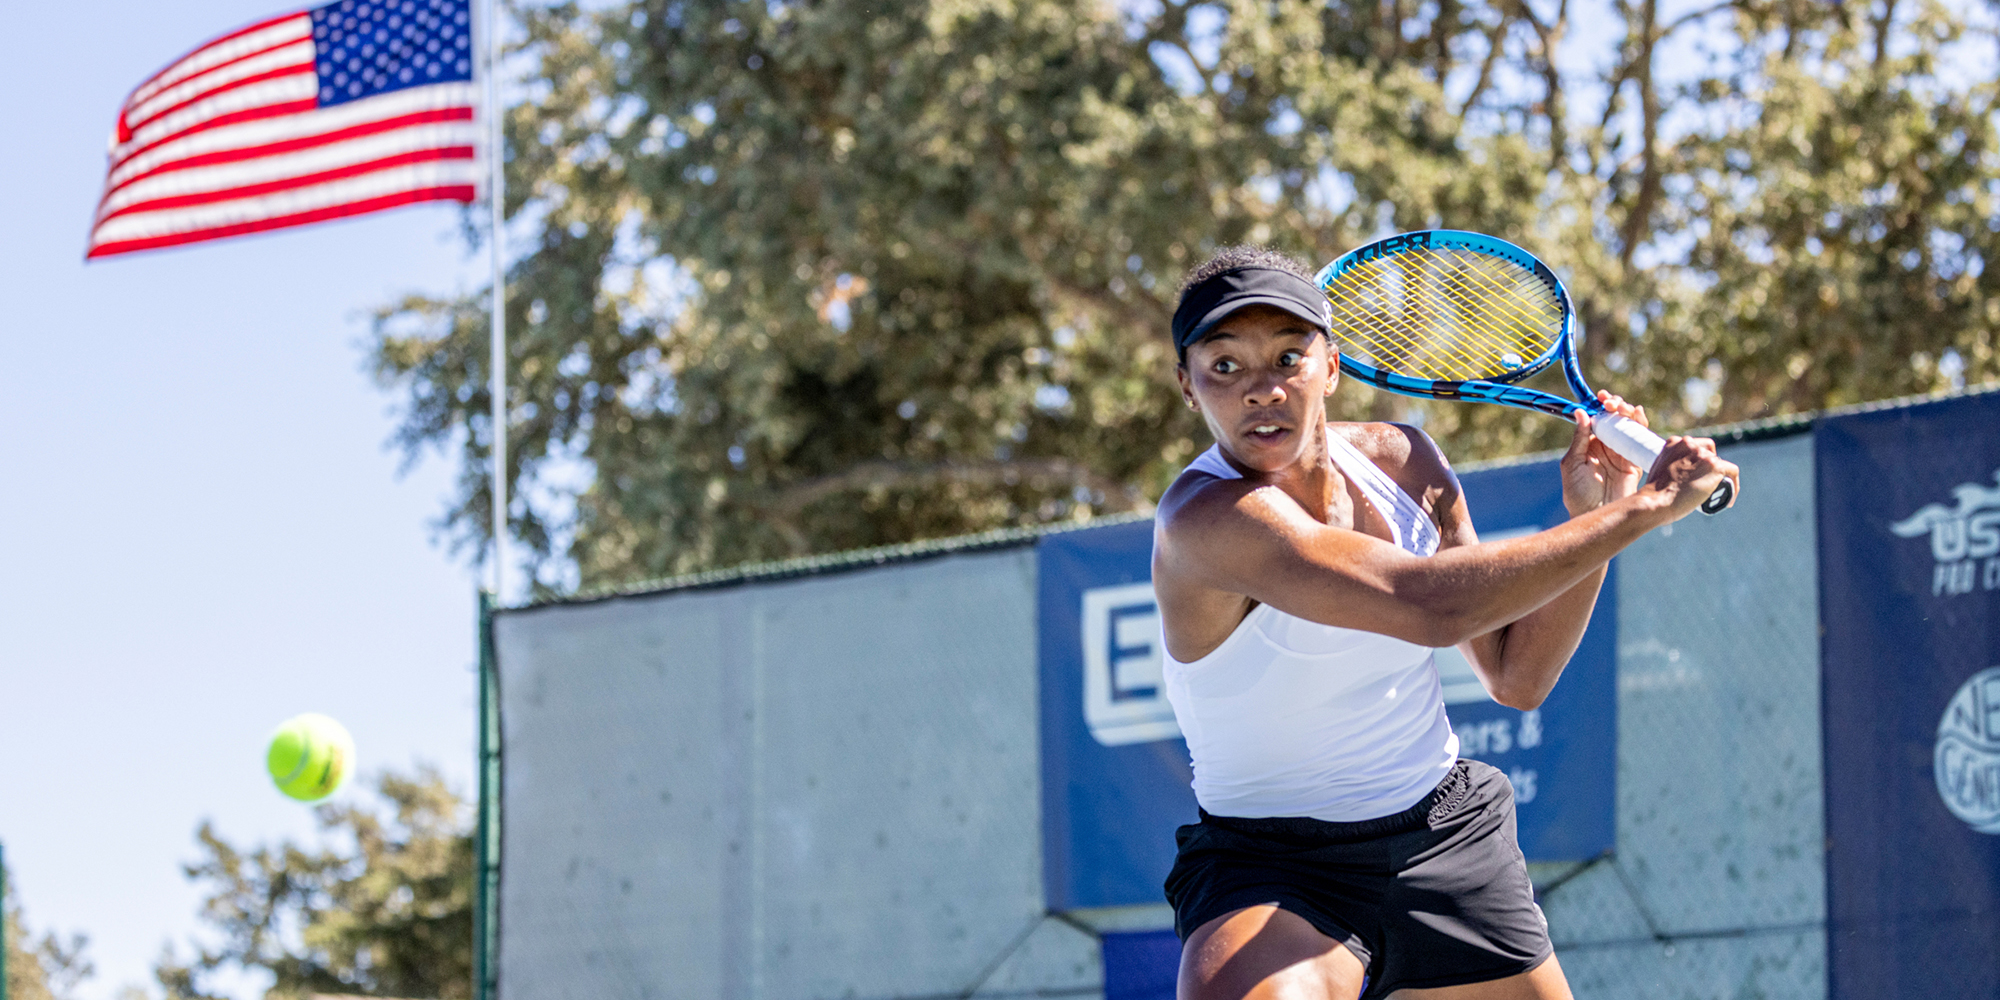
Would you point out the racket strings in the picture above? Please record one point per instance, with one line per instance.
(1482, 318)
(1533, 306)
(1389, 342)
(1408, 338)
(1401, 338)
(1456, 322)
(1444, 314)
(1509, 298)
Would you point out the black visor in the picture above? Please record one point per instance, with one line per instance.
(1215, 298)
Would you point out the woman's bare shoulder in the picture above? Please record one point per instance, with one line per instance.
(1216, 519)
(1195, 497)
(1404, 451)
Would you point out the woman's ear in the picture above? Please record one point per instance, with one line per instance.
(1187, 389)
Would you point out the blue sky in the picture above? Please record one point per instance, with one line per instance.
(206, 533)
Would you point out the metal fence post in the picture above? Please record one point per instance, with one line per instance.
(486, 903)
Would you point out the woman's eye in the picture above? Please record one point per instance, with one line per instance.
(1225, 367)
(1291, 358)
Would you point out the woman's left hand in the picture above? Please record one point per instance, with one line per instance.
(1592, 474)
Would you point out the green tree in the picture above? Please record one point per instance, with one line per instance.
(45, 968)
(821, 274)
(1840, 228)
(382, 907)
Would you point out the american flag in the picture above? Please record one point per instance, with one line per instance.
(352, 107)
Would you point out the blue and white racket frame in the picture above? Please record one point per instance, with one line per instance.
(1632, 440)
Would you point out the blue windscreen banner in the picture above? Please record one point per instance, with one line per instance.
(1909, 555)
(1140, 965)
(1115, 772)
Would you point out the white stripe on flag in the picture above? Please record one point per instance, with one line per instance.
(211, 56)
(429, 135)
(417, 176)
(381, 107)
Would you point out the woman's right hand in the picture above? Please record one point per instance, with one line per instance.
(1687, 472)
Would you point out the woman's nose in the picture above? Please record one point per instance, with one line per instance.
(1268, 392)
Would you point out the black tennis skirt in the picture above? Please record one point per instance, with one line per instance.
(1436, 895)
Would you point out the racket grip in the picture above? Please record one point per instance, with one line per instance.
(1632, 440)
(1637, 444)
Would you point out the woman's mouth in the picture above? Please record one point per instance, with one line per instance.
(1267, 432)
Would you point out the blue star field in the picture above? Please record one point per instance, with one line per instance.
(368, 47)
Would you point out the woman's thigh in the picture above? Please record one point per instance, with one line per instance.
(1543, 982)
(1265, 953)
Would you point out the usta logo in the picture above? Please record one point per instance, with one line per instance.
(1965, 538)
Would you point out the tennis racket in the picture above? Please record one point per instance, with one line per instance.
(1443, 314)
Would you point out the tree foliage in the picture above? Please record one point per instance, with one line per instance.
(382, 907)
(817, 274)
(45, 968)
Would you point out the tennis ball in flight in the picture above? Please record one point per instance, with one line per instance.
(310, 757)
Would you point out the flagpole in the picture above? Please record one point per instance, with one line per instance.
(496, 189)
(486, 903)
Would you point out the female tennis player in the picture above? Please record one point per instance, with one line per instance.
(1305, 571)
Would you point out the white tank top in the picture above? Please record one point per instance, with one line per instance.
(1289, 717)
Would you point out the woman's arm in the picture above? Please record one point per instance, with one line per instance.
(1258, 543)
(1236, 537)
(1520, 662)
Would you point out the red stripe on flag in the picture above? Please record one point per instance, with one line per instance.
(294, 145)
(293, 183)
(299, 106)
(451, 192)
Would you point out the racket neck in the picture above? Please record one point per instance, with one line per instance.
(1573, 367)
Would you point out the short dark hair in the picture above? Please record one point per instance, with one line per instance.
(1245, 255)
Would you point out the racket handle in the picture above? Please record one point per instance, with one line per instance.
(1637, 444)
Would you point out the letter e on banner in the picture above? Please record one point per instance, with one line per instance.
(1124, 696)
